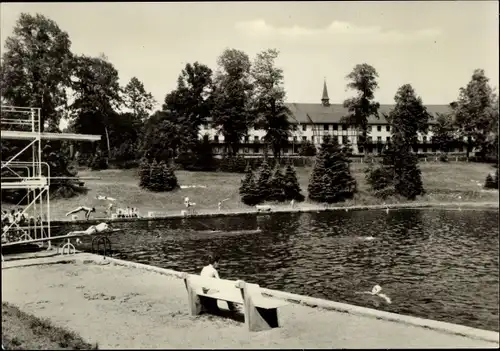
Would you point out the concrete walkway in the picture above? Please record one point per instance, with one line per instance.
(121, 307)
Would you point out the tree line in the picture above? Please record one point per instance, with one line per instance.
(39, 69)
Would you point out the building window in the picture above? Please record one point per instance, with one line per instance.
(344, 126)
(335, 127)
(245, 150)
(379, 128)
(388, 128)
(345, 141)
(294, 139)
(424, 149)
(424, 139)
(255, 139)
(304, 127)
(369, 129)
(388, 140)
(379, 140)
(216, 138)
(246, 139)
(294, 127)
(304, 138)
(325, 127)
(360, 149)
(285, 150)
(255, 150)
(369, 140)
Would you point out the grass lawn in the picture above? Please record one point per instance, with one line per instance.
(22, 331)
(444, 182)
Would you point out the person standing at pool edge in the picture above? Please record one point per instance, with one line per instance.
(210, 271)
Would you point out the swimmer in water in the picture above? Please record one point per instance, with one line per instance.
(376, 291)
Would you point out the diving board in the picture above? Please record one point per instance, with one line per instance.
(18, 135)
(74, 234)
(27, 183)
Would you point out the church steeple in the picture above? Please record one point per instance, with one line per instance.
(325, 100)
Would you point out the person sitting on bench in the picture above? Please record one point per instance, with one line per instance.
(87, 211)
(210, 271)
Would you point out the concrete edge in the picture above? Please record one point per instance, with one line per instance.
(251, 211)
(445, 327)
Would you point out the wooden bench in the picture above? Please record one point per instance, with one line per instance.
(261, 313)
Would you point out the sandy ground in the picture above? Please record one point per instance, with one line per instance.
(120, 307)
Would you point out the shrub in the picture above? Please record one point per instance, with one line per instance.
(443, 157)
(490, 182)
(98, 162)
(155, 177)
(307, 149)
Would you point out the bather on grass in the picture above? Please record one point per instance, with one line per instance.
(85, 209)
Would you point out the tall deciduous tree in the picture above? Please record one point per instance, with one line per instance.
(409, 116)
(476, 112)
(190, 103)
(232, 97)
(97, 95)
(137, 99)
(362, 79)
(269, 100)
(36, 67)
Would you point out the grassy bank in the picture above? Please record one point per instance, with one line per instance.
(444, 182)
(22, 331)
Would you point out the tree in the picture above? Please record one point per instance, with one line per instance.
(189, 105)
(443, 132)
(277, 185)
(490, 183)
(96, 96)
(161, 137)
(476, 113)
(248, 188)
(291, 185)
(231, 98)
(36, 66)
(137, 99)
(331, 180)
(168, 179)
(363, 79)
(144, 172)
(269, 100)
(155, 177)
(34, 72)
(263, 182)
(125, 131)
(409, 116)
(399, 172)
(307, 149)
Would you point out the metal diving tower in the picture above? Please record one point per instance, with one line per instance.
(27, 171)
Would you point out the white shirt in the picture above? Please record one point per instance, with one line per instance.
(209, 271)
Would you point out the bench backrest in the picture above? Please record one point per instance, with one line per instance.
(199, 282)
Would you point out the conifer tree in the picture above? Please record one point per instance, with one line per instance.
(291, 185)
(489, 182)
(263, 191)
(276, 185)
(331, 180)
(144, 171)
(155, 177)
(248, 188)
(169, 180)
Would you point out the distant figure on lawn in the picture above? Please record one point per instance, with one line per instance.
(85, 209)
(189, 205)
(210, 271)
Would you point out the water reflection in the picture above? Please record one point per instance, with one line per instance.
(434, 264)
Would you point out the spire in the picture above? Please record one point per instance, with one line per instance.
(325, 99)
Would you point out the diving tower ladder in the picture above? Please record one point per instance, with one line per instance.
(33, 176)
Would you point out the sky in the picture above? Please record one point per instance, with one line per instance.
(432, 45)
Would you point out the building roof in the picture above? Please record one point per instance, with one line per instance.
(308, 113)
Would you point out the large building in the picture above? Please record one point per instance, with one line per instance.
(312, 122)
